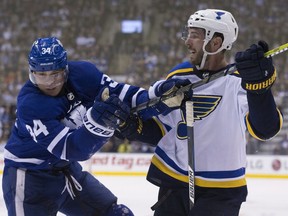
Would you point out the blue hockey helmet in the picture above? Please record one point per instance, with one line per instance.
(47, 54)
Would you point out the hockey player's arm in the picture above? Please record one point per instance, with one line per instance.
(258, 75)
(148, 131)
(159, 89)
(264, 119)
(100, 122)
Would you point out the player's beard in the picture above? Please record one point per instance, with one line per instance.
(196, 58)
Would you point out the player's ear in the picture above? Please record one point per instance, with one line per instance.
(216, 43)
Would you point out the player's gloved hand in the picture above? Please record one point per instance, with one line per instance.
(131, 128)
(165, 106)
(109, 111)
(257, 72)
(167, 86)
(106, 114)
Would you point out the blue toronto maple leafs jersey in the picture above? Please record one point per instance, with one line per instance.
(48, 130)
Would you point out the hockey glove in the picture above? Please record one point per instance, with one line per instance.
(257, 72)
(131, 128)
(165, 106)
(106, 114)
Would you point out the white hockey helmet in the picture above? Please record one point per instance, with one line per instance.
(212, 21)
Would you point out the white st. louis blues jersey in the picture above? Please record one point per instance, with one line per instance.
(220, 108)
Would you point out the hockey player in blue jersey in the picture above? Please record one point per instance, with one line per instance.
(224, 109)
(61, 121)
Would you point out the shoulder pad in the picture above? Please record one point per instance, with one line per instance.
(184, 69)
(85, 78)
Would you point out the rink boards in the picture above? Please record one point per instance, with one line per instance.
(137, 164)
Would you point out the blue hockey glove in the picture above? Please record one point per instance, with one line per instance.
(257, 72)
(109, 111)
(165, 106)
(106, 114)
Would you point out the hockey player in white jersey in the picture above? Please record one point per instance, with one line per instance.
(224, 109)
(60, 121)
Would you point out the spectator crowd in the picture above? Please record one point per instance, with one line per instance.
(91, 30)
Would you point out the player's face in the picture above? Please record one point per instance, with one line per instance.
(50, 82)
(194, 43)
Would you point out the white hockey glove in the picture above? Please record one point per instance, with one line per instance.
(160, 89)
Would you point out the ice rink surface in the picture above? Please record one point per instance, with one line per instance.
(267, 197)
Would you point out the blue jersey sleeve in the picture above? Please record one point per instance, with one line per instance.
(40, 132)
(264, 119)
(87, 86)
(49, 129)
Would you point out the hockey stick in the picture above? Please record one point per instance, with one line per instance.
(207, 79)
(190, 144)
(190, 124)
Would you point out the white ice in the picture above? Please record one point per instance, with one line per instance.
(267, 197)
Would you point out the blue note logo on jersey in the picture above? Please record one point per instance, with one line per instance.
(204, 105)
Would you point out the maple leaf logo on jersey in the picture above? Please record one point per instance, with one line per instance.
(74, 118)
(204, 105)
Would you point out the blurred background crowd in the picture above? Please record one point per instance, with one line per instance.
(92, 30)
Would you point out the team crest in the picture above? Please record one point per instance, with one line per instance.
(70, 96)
(203, 106)
(74, 118)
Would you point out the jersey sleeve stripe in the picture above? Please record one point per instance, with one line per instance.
(253, 134)
(56, 140)
(123, 92)
(134, 98)
(180, 71)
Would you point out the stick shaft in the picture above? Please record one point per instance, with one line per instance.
(191, 152)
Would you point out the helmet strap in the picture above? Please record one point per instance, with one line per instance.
(206, 53)
(200, 67)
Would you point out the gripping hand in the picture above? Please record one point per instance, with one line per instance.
(165, 106)
(257, 72)
(107, 112)
(132, 127)
(170, 85)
